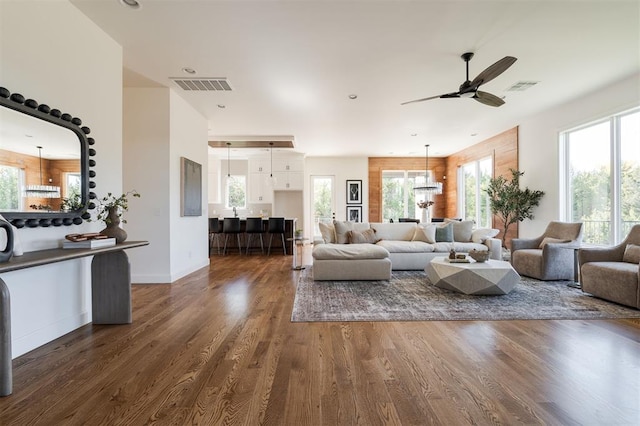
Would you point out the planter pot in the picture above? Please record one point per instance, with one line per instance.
(113, 229)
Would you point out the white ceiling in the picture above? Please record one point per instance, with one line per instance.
(293, 64)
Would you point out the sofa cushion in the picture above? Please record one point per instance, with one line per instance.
(349, 251)
(425, 233)
(343, 227)
(444, 233)
(549, 240)
(481, 234)
(394, 246)
(395, 231)
(328, 232)
(631, 254)
(462, 230)
(368, 236)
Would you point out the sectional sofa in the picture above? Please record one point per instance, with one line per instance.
(369, 251)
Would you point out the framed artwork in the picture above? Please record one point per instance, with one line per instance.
(354, 192)
(354, 213)
(190, 188)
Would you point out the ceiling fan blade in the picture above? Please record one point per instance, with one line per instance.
(493, 71)
(421, 100)
(450, 95)
(488, 99)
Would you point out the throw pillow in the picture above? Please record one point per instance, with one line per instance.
(328, 232)
(365, 237)
(461, 230)
(444, 233)
(547, 240)
(425, 233)
(480, 235)
(343, 227)
(631, 254)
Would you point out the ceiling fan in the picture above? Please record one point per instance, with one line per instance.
(469, 89)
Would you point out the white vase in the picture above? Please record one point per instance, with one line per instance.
(425, 216)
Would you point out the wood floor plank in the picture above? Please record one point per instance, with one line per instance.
(218, 348)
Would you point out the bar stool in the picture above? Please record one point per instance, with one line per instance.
(230, 226)
(214, 234)
(276, 226)
(254, 228)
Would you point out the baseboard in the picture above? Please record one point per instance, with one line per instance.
(31, 341)
(167, 278)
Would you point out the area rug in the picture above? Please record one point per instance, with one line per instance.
(409, 296)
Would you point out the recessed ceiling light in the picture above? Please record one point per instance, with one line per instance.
(474, 134)
(353, 96)
(188, 70)
(131, 4)
(221, 106)
(414, 134)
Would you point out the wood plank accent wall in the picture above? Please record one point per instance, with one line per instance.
(378, 164)
(503, 148)
(51, 169)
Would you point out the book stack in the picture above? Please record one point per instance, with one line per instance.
(90, 240)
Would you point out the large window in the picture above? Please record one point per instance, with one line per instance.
(11, 180)
(602, 177)
(236, 192)
(473, 199)
(398, 199)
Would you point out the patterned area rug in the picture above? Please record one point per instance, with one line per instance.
(409, 296)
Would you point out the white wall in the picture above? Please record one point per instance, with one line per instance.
(343, 169)
(160, 127)
(539, 147)
(189, 243)
(51, 52)
(145, 162)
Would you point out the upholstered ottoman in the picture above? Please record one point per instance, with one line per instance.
(350, 262)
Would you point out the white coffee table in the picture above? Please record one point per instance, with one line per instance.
(493, 277)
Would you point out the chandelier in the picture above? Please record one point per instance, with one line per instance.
(429, 187)
(41, 191)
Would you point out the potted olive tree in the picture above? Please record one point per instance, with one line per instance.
(510, 203)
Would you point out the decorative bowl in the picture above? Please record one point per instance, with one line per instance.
(479, 256)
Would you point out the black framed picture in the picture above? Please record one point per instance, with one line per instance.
(191, 188)
(354, 213)
(354, 192)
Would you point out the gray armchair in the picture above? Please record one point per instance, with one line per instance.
(610, 274)
(549, 256)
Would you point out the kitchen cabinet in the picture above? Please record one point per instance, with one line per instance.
(260, 190)
(289, 173)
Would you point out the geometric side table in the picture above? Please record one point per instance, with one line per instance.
(493, 277)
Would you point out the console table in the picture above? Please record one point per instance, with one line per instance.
(110, 291)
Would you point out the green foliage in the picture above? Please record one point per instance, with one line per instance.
(9, 188)
(110, 201)
(237, 192)
(591, 201)
(71, 203)
(511, 203)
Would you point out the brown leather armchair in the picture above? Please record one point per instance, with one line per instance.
(613, 273)
(549, 256)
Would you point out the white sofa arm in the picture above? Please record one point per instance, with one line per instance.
(317, 241)
(495, 247)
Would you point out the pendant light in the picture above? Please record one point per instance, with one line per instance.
(41, 191)
(272, 180)
(429, 188)
(228, 161)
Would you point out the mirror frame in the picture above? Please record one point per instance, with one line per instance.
(17, 102)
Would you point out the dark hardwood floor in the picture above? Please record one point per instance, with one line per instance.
(218, 347)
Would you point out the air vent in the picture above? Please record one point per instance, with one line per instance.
(203, 84)
(521, 86)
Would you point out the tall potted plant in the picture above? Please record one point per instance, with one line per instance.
(509, 202)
